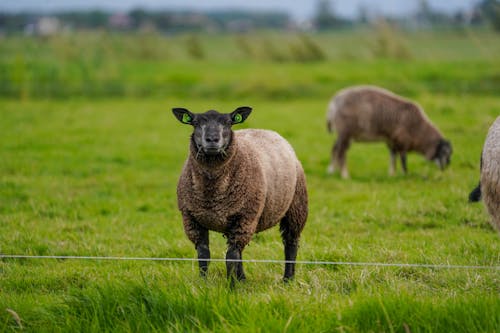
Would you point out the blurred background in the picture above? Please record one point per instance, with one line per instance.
(232, 49)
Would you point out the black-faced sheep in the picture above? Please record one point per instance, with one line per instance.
(368, 113)
(489, 184)
(239, 183)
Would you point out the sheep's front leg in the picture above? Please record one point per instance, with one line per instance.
(238, 234)
(392, 163)
(203, 250)
(199, 236)
(233, 266)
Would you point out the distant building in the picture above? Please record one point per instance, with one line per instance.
(44, 26)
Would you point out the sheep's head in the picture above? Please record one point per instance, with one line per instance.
(443, 154)
(212, 130)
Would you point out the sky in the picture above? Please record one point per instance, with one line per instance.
(299, 10)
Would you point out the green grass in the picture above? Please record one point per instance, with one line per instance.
(97, 177)
(100, 65)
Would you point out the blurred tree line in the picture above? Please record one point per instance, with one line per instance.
(325, 18)
(137, 19)
(482, 13)
(491, 12)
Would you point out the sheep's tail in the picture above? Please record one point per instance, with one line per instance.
(329, 126)
(475, 194)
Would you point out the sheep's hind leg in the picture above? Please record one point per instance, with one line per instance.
(342, 145)
(402, 156)
(292, 225)
(291, 243)
(333, 160)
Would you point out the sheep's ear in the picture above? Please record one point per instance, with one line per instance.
(240, 114)
(183, 115)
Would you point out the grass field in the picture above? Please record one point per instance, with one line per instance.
(96, 177)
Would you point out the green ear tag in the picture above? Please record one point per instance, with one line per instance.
(186, 118)
(238, 118)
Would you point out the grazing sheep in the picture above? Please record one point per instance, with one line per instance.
(239, 183)
(368, 113)
(489, 185)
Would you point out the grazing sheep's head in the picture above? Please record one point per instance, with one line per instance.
(443, 154)
(212, 130)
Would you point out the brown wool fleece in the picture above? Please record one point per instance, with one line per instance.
(490, 173)
(259, 183)
(369, 113)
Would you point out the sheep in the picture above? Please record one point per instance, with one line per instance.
(370, 113)
(489, 184)
(239, 183)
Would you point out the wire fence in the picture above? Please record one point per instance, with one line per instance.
(264, 261)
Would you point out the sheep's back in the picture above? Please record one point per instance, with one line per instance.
(280, 166)
(364, 112)
(369, 113)
(490, 172)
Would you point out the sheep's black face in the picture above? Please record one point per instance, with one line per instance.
(442, 156)
(212, 130)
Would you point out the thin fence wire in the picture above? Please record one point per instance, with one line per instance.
(265, 261)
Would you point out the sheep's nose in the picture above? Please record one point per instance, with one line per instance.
(212, 139)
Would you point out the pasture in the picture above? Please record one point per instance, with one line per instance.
(92, 171)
